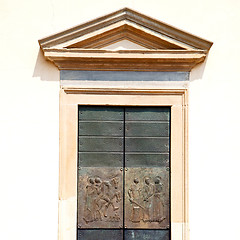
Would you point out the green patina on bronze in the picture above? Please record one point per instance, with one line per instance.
(124, 177)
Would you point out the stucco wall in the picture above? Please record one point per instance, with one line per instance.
(29, 112)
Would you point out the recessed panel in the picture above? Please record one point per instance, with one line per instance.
(100, 197)
(147, 114)
(147, 198)
(100, 159)
(153, 129)
(146, 159)
(94, 128)
(134, 234)
(100, 113)
(103, 234)
(147, 144)
(100, 144)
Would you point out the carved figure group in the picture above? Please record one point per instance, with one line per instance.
(146, 202)
(101, 196)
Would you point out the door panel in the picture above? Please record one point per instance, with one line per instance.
(101, 144)
(134, 234)
(147, 198)
(100, 176)
(101, 128)
(100, 234)
(144, 144)
(147, 113)
(100, 197)
(147, 128)
(100, 159)
(100, 113)
(147, 159)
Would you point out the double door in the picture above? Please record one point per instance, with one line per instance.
(123, 173)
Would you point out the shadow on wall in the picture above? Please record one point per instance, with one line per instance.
(45, 69)
(198, 71)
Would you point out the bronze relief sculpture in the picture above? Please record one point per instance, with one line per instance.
(146, 198)
(101, 193)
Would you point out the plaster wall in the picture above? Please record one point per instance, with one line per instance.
(29, 115)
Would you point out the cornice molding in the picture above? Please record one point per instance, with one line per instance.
(128, 60)
(168, 48)
(123, 91)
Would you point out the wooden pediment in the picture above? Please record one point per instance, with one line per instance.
(125, 40)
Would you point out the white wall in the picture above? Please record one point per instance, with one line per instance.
(29, 112)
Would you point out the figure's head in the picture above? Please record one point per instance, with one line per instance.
(107, 183)
(157, 180)
(115, 182)
(136, 181)
(147, 180)
(97, 180)
(91, 180)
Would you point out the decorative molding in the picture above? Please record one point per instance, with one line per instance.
(128, 60)
(70, 98)
(123, 91)
(168, 48)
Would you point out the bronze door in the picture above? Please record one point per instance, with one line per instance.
(123, 173)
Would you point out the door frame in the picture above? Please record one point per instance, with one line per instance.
(70, 98)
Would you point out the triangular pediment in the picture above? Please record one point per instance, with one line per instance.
(124, 44)
(122, 32)
(125, 30)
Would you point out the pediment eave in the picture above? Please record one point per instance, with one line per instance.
(128, 60)
(168, 48)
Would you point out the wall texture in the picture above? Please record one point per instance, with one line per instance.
(29, 112)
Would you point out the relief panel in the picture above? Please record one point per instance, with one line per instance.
(100, 203)
(147, 198)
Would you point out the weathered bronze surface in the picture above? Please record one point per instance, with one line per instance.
(147, 198)
(146, 182)
(147, 128)
(147, 234)
(100, 113)
(100, 159)
(147, 113)
(100, 128)
(147, 144)
(100, 234)
(100, 203)
(146, 159)
(100, 144)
